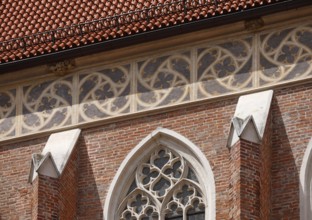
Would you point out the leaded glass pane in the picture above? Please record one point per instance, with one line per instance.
(175, 218)
(196, 216)
(161, 186)
(191, 175)
(185, 194)
(133, 186)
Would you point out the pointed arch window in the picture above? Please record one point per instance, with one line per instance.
(164, 185)
(306, 184)
(162, 179)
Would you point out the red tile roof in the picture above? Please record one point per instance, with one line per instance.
(31, 28)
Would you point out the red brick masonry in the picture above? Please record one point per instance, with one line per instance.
(100, 150)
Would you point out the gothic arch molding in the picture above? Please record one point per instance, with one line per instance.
(306, 184)
(176, 142)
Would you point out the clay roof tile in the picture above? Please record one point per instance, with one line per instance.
(47, 25)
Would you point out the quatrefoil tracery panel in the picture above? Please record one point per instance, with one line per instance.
(224, 67)
(163, 81)
(47, 105)
(104, 93)
(139, 205)
(286, 55)
(161, 173)
(165, 186)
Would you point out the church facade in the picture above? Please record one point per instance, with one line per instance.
(205, 123)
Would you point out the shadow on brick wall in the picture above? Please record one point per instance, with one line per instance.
(15, 191)
(89, 200)
(285, 176)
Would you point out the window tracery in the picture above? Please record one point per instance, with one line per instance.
(165, 187)
(306, 184)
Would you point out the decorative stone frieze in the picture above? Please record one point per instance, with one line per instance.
(8, 113)
(163, 81)
(225, 67)
(47, 105)
(104, 93)
(285, 55)
(207, 70)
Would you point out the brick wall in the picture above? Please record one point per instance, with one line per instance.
(15, 192)
(250, 180)
(249, 187)
(56, 198)
(34, 199)
(68, 190)
(265, 171)
(234, 183)
(48, 198)
(103, 148)
(292, 130)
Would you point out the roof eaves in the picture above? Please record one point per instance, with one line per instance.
(153, 35)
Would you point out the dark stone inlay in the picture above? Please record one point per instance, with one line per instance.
(305, 38)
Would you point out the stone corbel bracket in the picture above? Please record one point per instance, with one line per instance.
(250, 117)
(53, 159)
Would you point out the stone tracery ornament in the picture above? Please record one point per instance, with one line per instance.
(47, 105)
(286, 54)
(165, 187)
(104, 93)
(163, 80)
(224, 67)
(139, 206)
(7, 112)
